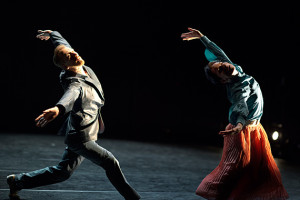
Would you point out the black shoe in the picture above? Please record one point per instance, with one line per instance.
(13, 193)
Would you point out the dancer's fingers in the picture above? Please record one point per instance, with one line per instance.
(184, 39)
(189, 38)
(38, 123)
(39, 117)
(44, 122)
(227, 132)
(43, 31)
(192, 29)
(186, 34)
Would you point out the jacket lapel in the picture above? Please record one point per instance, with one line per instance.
(93, 80)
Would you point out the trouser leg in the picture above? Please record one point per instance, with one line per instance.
(50, 175)
(100, 156)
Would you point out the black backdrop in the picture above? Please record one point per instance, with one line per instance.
(153, 81)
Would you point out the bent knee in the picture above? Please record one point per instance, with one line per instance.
(110, 161)
(63, 174)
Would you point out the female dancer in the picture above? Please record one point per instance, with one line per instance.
(247, 169)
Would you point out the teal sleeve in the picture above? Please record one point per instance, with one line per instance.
(239, 110)
(213, 52)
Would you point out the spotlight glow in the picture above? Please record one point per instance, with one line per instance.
(275, 135)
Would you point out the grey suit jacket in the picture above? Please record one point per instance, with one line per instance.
(82, 101)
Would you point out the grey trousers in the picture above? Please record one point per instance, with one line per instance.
(73, 155)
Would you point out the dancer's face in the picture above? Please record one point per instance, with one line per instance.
(223, 70)
(70, 58)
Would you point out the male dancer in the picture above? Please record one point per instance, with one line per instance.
(82, 101)
(247, 169)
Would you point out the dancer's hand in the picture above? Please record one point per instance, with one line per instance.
(233, 130)
(193, 34)
(47, 116)
(44, 35)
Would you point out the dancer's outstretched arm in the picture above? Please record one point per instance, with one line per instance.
(64, 105)
(218, 53)
(71, 93)
(54, 36)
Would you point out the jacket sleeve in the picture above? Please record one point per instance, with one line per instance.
(213, 52)
(71, 94)
(57, 39)
(239, 110)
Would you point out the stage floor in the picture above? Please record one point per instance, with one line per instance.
(156, 171)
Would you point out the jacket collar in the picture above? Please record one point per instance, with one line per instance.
(65, 74)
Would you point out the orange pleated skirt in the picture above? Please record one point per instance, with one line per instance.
(247, 170)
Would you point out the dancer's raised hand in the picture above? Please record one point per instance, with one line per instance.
(193, 34)
(44, 35)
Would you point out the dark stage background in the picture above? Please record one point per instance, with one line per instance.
(153, 82)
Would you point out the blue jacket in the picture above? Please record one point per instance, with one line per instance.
(243, 91)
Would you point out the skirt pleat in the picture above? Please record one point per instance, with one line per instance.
(247, 170)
